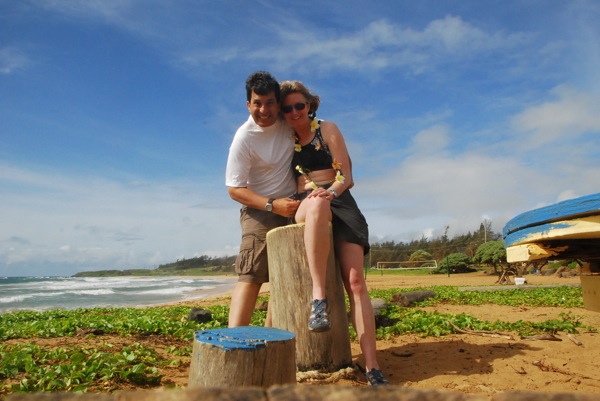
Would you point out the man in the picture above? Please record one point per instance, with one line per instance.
(260, 177)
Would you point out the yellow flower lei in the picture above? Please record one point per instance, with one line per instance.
(337, 166)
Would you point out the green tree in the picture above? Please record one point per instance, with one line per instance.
(456, 263)
(420, 256)
(491, 252)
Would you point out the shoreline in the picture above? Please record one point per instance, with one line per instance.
(206, 288)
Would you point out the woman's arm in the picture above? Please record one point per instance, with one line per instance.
(337, 146)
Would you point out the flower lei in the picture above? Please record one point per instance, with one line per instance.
(339, 176)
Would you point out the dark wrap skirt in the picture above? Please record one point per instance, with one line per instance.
(349, 224)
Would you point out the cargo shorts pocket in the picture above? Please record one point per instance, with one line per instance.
(244, 262)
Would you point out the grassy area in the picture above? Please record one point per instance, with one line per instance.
(125, 349)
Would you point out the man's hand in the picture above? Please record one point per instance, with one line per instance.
(285, 207)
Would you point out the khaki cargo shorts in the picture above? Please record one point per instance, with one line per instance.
(251, 264)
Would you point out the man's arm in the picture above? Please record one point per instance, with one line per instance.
(282, 206)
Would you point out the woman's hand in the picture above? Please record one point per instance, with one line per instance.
(321, 193)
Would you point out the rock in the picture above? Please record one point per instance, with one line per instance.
(200, 315)
(379, 304)
(85, 332)
(262, 306)
(408, 298)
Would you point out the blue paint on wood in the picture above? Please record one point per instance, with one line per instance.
(520, 236)
(542, 217)
(242, 338)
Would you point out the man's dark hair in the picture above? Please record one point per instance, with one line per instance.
(262, 83)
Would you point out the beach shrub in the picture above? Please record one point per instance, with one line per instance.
(491, 253)
(454, 263)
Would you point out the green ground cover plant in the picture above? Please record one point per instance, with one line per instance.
(159, 338)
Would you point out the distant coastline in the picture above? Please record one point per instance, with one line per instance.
(197, 266)
(198, 272)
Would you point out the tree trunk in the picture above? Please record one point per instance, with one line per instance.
(291, 296)
(243, 356)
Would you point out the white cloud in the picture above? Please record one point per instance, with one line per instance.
(438, 183)
(71, 223)
(382, 44)
(570, 115)
(430, 141)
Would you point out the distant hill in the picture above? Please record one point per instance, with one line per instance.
(198, 266)
(223, 264)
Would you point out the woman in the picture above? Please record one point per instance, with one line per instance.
(324, 174)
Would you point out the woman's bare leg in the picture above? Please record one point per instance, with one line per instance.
(315, 213)
(351, 260)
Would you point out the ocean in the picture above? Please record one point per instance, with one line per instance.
(43, 293)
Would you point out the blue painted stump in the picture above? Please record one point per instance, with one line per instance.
(243, 356)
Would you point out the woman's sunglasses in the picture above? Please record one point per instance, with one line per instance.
(297, 106)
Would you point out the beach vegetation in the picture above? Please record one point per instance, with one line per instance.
(420, 256)
(454, 263)
(431, 323)
(492, 253)
(108, 349)
(438, 248)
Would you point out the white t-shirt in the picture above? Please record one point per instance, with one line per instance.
(260, 158)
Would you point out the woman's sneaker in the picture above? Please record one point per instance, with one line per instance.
(319, 316)
(375, 378)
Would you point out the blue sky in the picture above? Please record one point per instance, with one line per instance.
(116, 117)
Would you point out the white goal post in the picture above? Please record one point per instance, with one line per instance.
(407, 265)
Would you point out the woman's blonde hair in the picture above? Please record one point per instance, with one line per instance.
(289, 87)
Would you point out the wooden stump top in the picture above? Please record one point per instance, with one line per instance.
(245, 337)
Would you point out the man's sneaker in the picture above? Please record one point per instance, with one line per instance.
(375, 378)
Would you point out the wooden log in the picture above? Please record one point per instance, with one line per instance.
(408, 298)
(243, 356)
(290, 299)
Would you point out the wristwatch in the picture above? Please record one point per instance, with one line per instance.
(269, 205)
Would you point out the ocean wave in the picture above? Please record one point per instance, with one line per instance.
(92, 292)
(169, 291)
(73, 292)
(24, 297)
(84, 284)
(15, 298)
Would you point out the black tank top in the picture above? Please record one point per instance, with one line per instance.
(314, 156)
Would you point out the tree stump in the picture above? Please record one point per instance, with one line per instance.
(244, 357)
(290, 299)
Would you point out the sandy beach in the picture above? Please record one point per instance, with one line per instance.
(477, 364)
